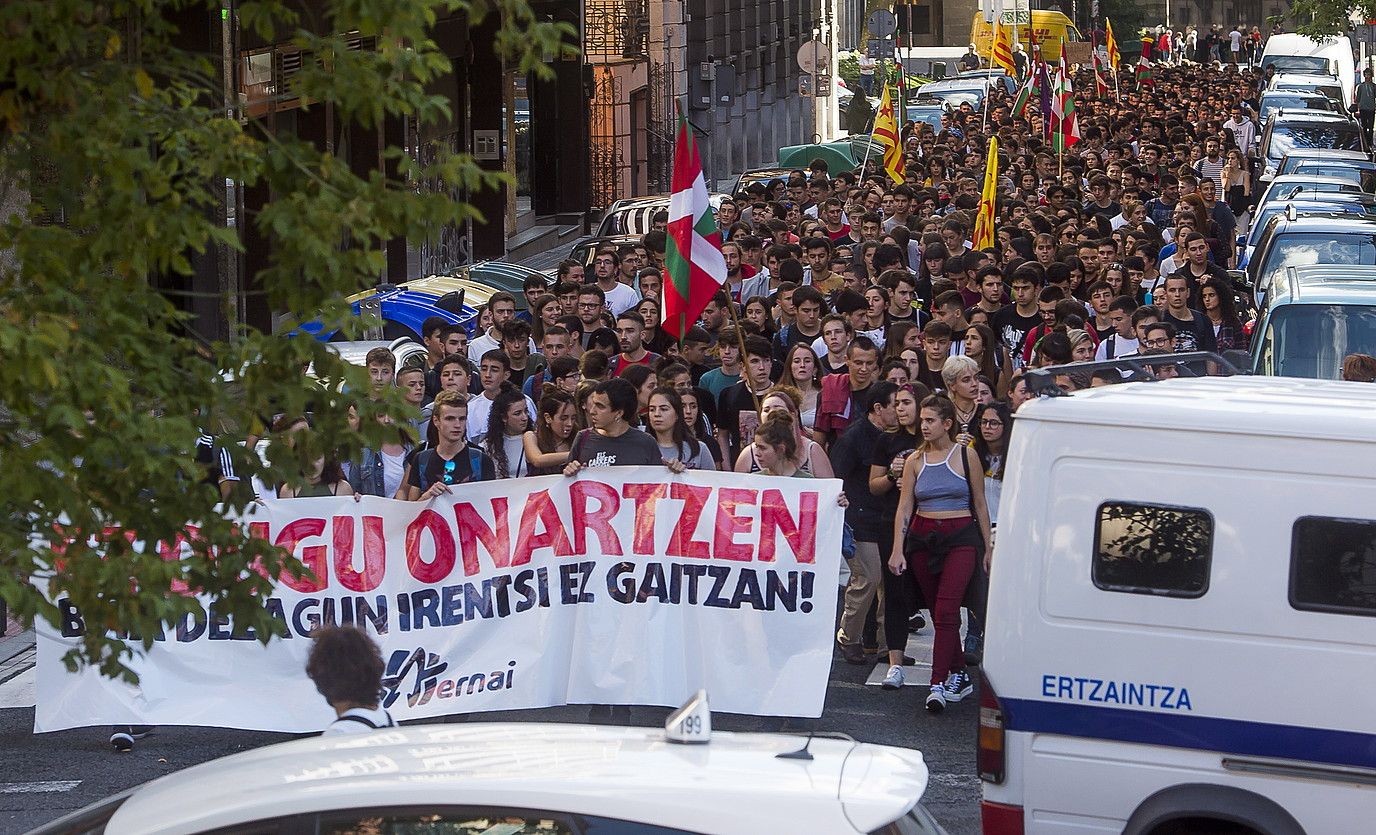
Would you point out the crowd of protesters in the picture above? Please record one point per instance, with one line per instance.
(861, 336)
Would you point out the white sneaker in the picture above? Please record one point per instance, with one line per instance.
(936, 700)
(958, 686)
(894, 679)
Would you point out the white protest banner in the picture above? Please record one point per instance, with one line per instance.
(624, 585)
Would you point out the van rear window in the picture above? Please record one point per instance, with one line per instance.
(1333, 565)
(1152, 549)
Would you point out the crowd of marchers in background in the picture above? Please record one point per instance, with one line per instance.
(860, 335)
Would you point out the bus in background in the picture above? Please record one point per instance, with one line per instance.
(1050, 29)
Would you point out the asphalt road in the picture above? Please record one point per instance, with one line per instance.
(45, 776)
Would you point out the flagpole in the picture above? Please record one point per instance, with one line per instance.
(745, 364)
(993, 45)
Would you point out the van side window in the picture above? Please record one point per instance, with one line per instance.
(1152, 549)
(1333, 565)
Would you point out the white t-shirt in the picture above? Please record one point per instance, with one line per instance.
(1235, 41)
(359, 721)
(486, 342)
(393, 468)
(480, 409)
(515, 454)
(621, 298)
(1121, 347)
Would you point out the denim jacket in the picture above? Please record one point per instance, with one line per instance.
(366, 474)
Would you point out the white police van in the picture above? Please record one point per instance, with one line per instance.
(1182, 612)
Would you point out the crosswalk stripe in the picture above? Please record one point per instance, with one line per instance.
(41, 787)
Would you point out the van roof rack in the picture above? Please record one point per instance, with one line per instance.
(1041, 382)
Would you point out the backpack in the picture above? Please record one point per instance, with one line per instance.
(475, 465)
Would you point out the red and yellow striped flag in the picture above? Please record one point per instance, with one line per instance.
(1002, 55)
(984, 220)
(886, 134)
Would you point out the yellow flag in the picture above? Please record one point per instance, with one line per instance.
(886, 134)
(1111, 47)
(1002, 54)
(984, 221)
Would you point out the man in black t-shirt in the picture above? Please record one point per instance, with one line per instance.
(612, 441)
(452, 461)
(1013, 322)
(1193, 330)
(850, 461)
(737, 412)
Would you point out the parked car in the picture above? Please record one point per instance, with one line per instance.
(764, 176)
(1314, 317)
(957, 91)
(1292, 102)
(584, 249)
(455, 298)
(1308, 240)
(1290, 186)
(1359, 171)
(632, 216)
(530, 778)
(1325, 85)
(1331, 56)
(1328, 202)
(1314, 129)
(407, 351)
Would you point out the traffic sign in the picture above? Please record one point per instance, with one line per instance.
(814, 57)
(881, 23)
(876, 48)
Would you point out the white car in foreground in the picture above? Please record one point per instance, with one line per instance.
(528, 778)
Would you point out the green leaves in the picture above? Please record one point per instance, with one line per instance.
(115, 148)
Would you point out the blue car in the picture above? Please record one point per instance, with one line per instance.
(455, 298)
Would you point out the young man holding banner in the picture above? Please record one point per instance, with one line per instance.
(452, 461)
(612, 442)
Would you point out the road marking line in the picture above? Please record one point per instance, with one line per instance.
(40, 787)
(959, 780)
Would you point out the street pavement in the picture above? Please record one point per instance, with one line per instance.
(48, 775)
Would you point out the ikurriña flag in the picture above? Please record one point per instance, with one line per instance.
(694, 269)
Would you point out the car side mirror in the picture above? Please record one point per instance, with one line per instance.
(1238, 278)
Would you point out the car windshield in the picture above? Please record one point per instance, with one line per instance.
(1304, 249)
(1311, 340)
(1346, 136)
(1296, 63)
(1272, 102)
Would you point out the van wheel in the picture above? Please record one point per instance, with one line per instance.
(1203, 826)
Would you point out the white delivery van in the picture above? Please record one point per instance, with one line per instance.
(1182, 612)
(1332, 56)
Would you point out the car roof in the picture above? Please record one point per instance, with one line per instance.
(958, 83)
(1284, 118)
(1328, 222)
(733, 784)
(1307, 179)
(1304, 78)
(1331, 284)
(1224, 406)
(1328, 153)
